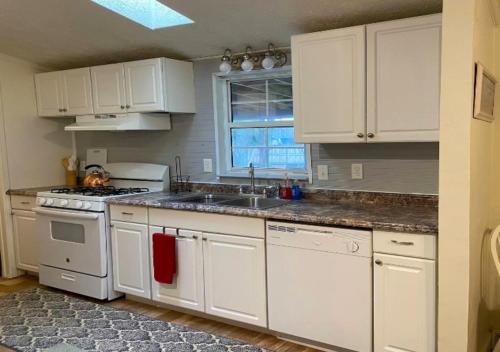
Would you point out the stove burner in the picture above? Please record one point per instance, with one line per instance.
(99, 191)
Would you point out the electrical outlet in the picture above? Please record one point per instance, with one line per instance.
(322, 172)
(83, 164)
(357, 171)
(207, 165)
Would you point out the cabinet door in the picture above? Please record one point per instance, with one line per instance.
(187, 290)
(403, 78)
(49, 94)
(26, 241)
(130, 248)
(108, 89)
(144, 85)
(235, 279)
(404, 304)
(329, 86)
(77, 91)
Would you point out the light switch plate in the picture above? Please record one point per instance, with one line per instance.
(357, 171)
(322, 172)
(207, 165)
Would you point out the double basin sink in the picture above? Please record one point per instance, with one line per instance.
(238, 201)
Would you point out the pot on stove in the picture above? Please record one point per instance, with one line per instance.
(97, 177)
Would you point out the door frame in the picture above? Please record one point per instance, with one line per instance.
(7, 248)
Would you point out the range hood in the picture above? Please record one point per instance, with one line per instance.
(121, 122)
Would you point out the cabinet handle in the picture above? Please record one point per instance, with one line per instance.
(402, 243)
(127, 106)
(60, 110)
(122, 107)
(360, 135)
(370, 135)
(125, 213)
(204, 239)
(65, 110)
(25, 203)
(379, 262)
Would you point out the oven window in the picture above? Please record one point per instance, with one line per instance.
(68, 232)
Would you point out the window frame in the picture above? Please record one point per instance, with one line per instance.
(223, 124)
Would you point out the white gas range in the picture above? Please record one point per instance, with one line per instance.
(74, 232)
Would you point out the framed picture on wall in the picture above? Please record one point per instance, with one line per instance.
(484, 94)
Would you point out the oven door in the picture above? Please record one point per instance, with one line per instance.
(72, 240)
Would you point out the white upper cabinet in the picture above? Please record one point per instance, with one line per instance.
(108, 89)
(77, 91)
(152, 85)
(386, 93)
(49, 95)
(403, 80)
(144, 85)
(329, 86)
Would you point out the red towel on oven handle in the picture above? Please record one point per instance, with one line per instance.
(164, 258)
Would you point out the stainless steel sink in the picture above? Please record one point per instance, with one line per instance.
(254, 203)
(239, 201)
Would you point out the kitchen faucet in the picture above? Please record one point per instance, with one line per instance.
(251, 173)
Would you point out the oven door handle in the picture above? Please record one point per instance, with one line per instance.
(64, 214)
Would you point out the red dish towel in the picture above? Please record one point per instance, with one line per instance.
(164, 258)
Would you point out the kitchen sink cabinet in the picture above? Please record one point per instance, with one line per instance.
(26, 245)
(64, 93)
(235, 274)
(404, 295)
(187, 290)
(382, 88)
(131, 258)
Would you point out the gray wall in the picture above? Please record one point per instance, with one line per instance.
(388, 167)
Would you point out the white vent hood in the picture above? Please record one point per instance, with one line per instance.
(121, 122)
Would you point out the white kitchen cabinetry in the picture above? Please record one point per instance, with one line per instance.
(131, 258)
(153, 85)
(235, 286)
(25, 239)
(329, 86)
(394, 74)
(108, 89)
(404, 294)
(403, 79)
(187, 290)
(64, 93)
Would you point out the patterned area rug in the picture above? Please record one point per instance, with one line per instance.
(41, 320)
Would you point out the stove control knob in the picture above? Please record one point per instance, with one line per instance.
(64, 203)
(41, 201)
(49, 201)
(79, 204)
(87, 205)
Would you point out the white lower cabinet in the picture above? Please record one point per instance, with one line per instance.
(235, 286)
(131, 258)
(187, 289)
(404, 304)
(26, 242)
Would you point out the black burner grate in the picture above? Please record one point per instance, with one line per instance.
(99, 191)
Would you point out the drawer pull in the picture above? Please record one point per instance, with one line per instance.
(379, 262)
(25, 203)
(68, 277)
(402, 243)
(125, 213)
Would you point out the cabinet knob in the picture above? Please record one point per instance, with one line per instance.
(360, 135)
(64, 110)
(127, 106)
(61, 110)
(379, 262)
(122, 107)
(370, 135)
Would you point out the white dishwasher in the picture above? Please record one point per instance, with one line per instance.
(320, 284)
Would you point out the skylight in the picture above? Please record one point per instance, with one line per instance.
(149, 13)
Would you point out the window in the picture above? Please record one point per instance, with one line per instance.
(254, 116)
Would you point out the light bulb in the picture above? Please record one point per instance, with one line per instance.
(225, 67)
(247, 65)
(268, 62)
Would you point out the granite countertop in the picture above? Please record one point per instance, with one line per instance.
(31, 192)
(378, 216)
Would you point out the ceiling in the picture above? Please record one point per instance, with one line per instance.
(74, 33)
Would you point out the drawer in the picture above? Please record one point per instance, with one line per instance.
(129, 214)
(22, 202)
(71, 281)
(405, 244)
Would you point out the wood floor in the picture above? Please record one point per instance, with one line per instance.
(255, 338)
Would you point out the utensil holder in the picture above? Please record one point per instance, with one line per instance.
(71, 178)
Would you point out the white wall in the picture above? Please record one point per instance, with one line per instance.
(35, 146)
